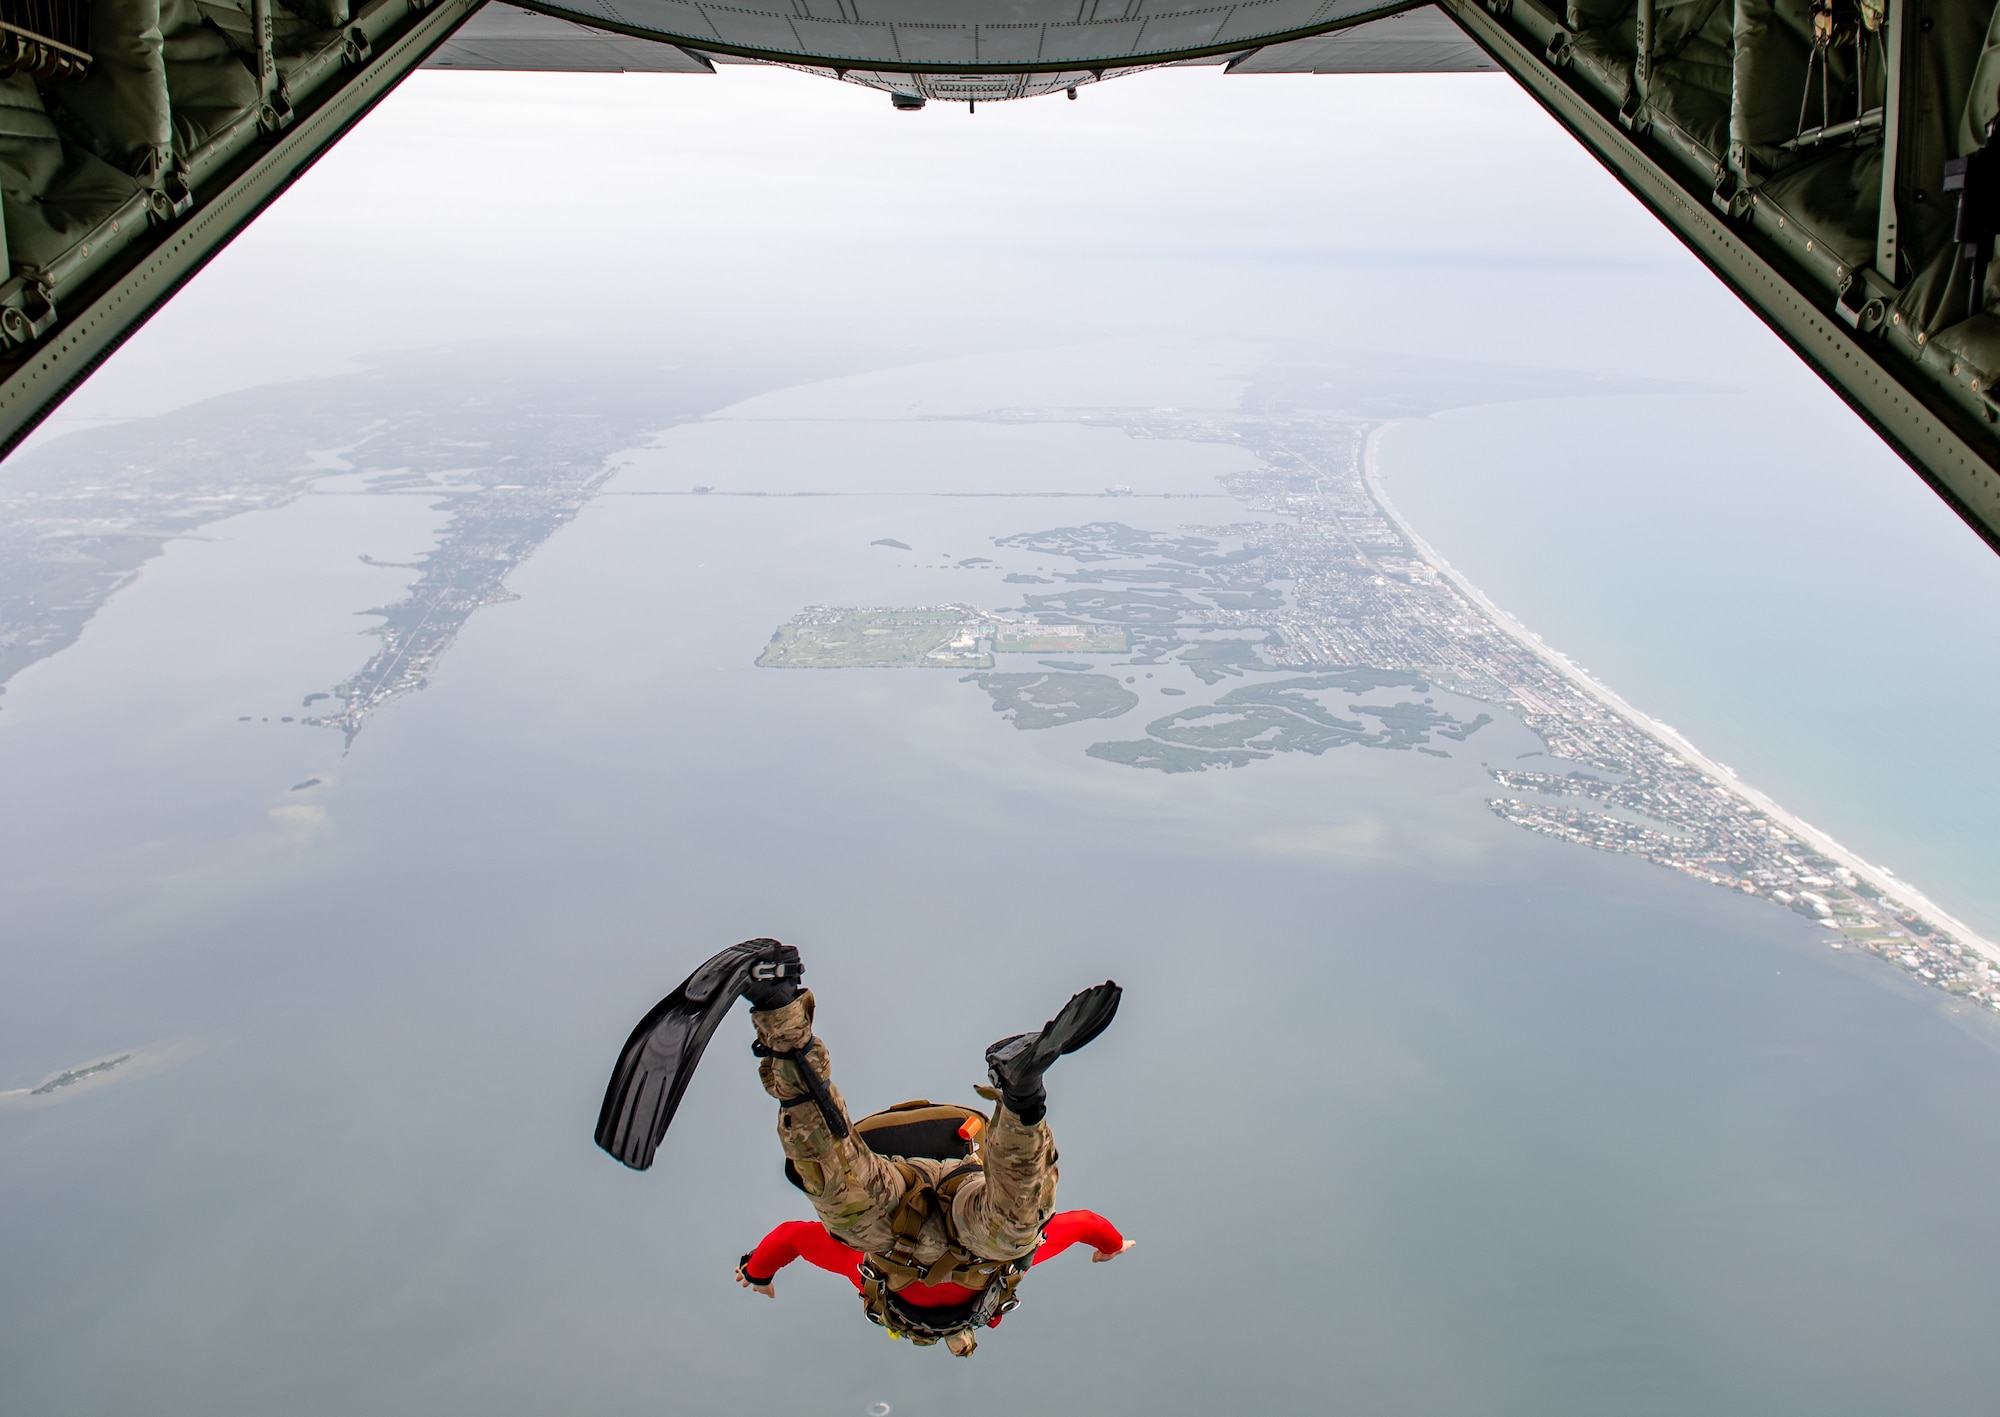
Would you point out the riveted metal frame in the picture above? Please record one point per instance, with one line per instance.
(1123, 63)
(1959, 459)
(149, 270)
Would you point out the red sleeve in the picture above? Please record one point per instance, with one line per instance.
(806, 1240)
(773, 1252)
(1078, 1227)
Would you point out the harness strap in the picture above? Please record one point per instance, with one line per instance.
(921, 1200)
(921, 1328)
(815, 1085)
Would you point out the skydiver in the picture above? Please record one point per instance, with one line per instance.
(943, 1232)
(944, 1207)
(809, 1240)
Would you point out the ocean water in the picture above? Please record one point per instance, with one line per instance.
(1763, 574)
(1408, 1110)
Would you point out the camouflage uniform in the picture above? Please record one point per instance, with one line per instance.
(998, 1215)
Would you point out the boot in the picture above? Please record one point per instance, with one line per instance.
(1016, 1064)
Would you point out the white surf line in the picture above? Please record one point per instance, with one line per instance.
(1892, 886)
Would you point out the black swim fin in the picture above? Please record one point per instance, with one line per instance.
(659, 1058)
(1016, 1064)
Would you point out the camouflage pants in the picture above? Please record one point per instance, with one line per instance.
(998, 1215)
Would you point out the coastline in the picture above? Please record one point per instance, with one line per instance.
(1892, 887)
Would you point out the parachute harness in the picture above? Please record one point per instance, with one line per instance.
(886, 1274)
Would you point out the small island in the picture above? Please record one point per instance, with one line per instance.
(69, 1077)
(834, 637)
(1050, 700)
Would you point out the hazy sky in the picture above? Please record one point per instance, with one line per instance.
(1440, 214)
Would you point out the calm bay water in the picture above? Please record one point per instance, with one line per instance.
(1410, 1111)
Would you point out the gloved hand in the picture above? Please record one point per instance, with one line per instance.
(774, 979)
(768, 1288)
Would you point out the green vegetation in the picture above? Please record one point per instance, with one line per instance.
(1169, 757)
(1216, 660)
(76, 1075)
(1128, 607)
(49, 588)
(928, 637)
(1108, 541)
(1152, 646)
(1051, 700)
(1258, 720)
(1411, 725)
